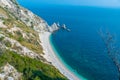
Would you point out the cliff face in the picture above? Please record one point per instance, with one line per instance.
(24, 15)
(20, 46)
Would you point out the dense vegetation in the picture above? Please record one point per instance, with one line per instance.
(32, 69)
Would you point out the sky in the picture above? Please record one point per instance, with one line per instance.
(102, 3)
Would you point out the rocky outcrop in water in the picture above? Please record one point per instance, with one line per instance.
(54, 27)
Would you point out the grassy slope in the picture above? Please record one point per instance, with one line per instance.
(31, 43)
(32, 69)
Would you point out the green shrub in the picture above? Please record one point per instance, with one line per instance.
(20, 39)
(7, 43)
(1, 38)
(10, 35)
(32, 69)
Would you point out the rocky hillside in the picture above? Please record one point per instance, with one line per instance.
(20, 49)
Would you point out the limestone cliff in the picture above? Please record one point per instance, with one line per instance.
(20, 46)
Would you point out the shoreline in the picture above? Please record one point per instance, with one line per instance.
(53, 58)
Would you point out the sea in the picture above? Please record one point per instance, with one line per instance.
(82, 49)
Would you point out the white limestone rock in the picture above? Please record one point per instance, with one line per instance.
(2, 25)
(9, 72)
(53, 27)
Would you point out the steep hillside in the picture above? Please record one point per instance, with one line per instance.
(20, 47)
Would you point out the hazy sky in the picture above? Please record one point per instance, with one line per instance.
(105, 3)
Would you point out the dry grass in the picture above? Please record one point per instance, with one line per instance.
(2, 12)
(31, 43)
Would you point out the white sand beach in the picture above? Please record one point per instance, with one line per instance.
(51, 57)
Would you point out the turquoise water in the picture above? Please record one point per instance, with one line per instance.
(66, 65)
(82, 48)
